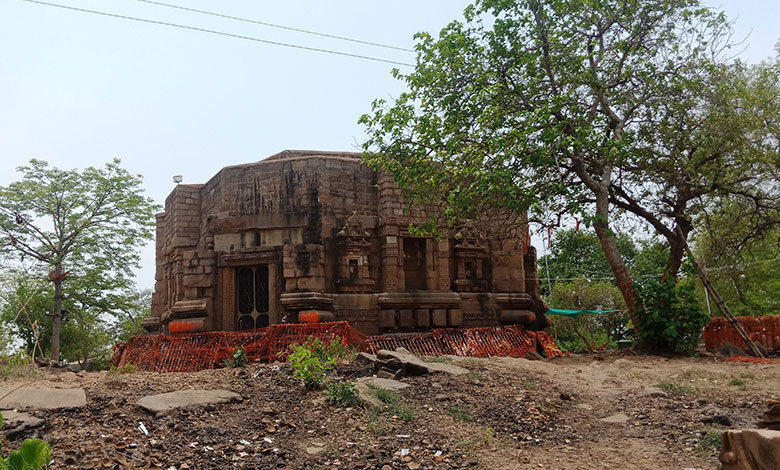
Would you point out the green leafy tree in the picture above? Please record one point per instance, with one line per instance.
(87, 331)
(85, 227)
(571, 106)
(578, 255)
(741, 258)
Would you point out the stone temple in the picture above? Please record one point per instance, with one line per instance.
(320, 234)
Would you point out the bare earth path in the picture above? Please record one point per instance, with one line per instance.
(505, 413)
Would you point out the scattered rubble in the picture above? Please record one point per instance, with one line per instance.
(401, 362)
(771, 419)
(501, 413)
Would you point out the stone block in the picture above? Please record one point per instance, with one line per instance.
(197, 280)
(439, 317)
(406, 318)
(422, 318)
(455, 317)
(387, 319)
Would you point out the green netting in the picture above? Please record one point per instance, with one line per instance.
(574, 313)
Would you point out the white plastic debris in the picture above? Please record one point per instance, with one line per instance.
(404, 452)
(437, 454)
(403, 436)
(243, 442)
(268, 440)
(142, 428)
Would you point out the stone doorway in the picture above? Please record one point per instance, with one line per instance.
(415, 272)
(252, 297)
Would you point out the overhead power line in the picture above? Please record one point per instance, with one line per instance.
(220, 33)
(272, 25)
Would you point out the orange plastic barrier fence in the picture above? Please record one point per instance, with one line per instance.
(764, 330)
(189, 352)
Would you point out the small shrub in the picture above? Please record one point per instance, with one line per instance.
(487, 437)
(377, 423)
(311, 360)
(342, 394)
(34, 454)
(674, 387)
(125, 369)
(710, 442)
(459, 414)
(394, 404)
(670, 316)
(736, 382)
(237, 358)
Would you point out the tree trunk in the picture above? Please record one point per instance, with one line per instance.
(609, 247)
(677, 243)
(57, 315)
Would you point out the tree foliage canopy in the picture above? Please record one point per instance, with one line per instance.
(572, 106)
(86, 227)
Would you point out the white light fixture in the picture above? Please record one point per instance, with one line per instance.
(177, 179)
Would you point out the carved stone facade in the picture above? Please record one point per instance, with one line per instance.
(319, 232)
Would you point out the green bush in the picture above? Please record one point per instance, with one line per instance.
(342, 394)
(34, 455)
(311, 360)
(670, 316)
(237, 357)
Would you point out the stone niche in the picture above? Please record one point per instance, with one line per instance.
(353, 273)
(470, 259)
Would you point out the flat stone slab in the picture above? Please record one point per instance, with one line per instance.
(42, 398)
(165, 402)
(416, 366)
(616, 418)
(16, 423)
(364, 387)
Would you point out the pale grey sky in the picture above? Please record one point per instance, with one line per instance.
(78, 89)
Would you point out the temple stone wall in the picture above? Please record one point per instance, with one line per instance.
(317, 232)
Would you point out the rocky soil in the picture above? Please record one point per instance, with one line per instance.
(604, 411)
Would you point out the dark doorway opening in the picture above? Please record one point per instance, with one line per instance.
(252, 297)
(415, 273)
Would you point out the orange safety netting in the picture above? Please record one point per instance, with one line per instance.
(511, 340)
(749, 359)
(197, 351)
(764, 330)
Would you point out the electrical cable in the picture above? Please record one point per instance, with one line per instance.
(220, 33)
(272, 25)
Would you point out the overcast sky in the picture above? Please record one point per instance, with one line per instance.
(77, 89)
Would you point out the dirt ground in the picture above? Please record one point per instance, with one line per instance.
(506, 413)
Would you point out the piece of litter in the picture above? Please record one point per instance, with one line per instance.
(243, 442)
(437, 454)
(142, 428)
(268, 440)
(257, 374)
(404, 452)
(193, 445)
(403, 436)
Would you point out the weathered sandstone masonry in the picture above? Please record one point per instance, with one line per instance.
(319, 233)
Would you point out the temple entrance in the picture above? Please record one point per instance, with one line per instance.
(252, 297)
(415, 272)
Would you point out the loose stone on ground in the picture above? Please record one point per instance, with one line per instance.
(16, 423)
(42, 398)
(165, 402)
